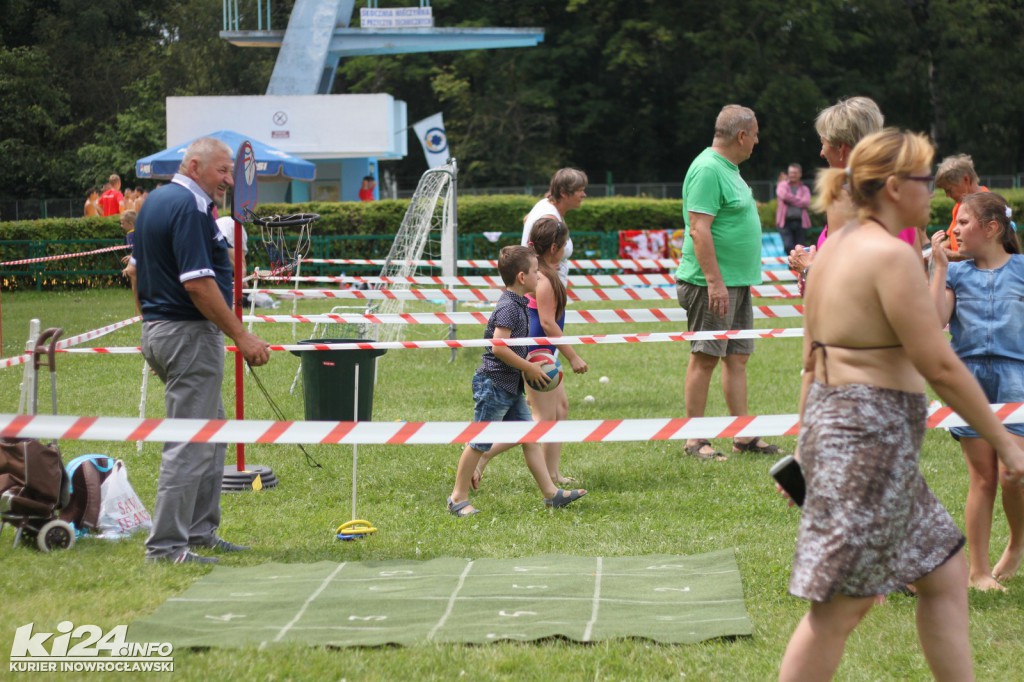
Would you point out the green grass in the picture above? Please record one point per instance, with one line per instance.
(645, 498)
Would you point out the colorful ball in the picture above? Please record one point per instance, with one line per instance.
(549, 365)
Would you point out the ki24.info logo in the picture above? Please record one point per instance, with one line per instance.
(86, 648)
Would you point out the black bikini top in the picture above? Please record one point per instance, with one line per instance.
(815, 345)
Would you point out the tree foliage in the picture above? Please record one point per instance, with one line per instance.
(626, 87)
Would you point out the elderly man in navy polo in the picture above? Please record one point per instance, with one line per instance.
(184, 290)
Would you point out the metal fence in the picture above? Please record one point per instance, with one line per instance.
(34, 209)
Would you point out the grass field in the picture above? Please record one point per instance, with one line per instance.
(645, 498)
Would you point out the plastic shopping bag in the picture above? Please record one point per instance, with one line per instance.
(121, 510)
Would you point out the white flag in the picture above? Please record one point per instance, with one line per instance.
(430, 133)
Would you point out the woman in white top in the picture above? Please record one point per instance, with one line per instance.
(567, 191)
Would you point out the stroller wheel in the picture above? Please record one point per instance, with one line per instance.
(55, 534)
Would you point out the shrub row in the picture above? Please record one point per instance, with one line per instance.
(476, 214)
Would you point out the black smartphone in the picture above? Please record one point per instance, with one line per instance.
(789, 475)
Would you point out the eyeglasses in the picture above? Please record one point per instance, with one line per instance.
(929, 180)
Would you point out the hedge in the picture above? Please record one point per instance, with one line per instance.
(477, 214)
(502, 213)
(942, 210)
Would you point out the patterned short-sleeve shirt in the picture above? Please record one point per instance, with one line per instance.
(510, 313)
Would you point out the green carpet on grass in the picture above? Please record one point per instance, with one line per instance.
(671, 599)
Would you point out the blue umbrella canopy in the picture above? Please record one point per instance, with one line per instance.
(270, 162)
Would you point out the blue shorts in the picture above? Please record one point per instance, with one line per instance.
(493, 404)
(1002, 380)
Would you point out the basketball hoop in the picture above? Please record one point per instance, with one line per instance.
(283, 257)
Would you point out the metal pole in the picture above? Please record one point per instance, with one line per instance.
(355, 446)
(142, 400)
(28, 382)
(452, 243)
(239, 360)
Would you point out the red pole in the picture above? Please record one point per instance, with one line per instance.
(239, 360)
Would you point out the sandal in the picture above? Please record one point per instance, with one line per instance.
(698, 450)
(459, 509)
(752, 446)
(563, 497)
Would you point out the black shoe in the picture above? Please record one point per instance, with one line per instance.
(222, 545)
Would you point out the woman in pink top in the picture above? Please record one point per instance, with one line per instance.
(840, 127)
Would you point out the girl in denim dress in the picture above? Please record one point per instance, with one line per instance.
(982, 299)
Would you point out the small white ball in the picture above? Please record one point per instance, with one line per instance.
(588, 399)
(603, 380)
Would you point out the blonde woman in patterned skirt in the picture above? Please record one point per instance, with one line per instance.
(872, 339)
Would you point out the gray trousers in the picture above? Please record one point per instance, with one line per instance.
(189, 358)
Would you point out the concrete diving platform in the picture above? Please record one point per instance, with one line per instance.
(360, 42)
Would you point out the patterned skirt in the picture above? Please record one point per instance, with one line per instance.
(869, 524)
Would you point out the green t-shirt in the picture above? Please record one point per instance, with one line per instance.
(713, 186)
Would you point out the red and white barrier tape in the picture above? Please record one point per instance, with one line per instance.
(64, 344)
(487, 281)
(119, 429)
(65, 256)
(596, 339)
(776, 291)
(648, 280)
(571, 316)
(617, 263)
(492, 295)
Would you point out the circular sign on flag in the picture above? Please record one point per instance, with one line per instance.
(435, 140)
(244, 195)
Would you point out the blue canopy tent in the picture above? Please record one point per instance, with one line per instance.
(270, 162)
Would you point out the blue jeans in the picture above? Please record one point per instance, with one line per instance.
(1002, 380)
(493, 404)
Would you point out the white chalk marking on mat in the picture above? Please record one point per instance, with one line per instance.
(451, 602)
(597, 600)
(305, 605)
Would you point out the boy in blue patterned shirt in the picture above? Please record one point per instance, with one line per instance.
(498, 384)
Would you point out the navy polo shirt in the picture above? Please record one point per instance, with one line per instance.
(176, 239)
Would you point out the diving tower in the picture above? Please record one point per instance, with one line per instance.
(319, 35)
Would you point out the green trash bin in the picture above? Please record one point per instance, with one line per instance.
(328, 381)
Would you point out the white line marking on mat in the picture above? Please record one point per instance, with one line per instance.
(305, 605)
(597, 601)
(451, 602)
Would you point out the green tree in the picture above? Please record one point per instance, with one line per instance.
(629, 87)
(136, 132)
(34, 124)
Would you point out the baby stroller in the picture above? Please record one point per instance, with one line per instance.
(33, 481)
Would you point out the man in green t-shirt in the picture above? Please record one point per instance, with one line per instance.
(721, 259)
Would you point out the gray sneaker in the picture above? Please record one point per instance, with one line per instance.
(222, 545)
(188, 557)
(185, 557)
